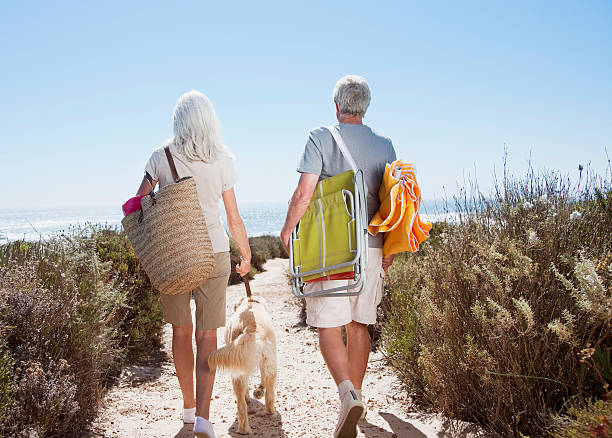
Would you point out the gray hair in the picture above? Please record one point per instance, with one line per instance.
(197, 132)
(352, 94)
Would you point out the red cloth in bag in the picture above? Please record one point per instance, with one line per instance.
(132, 205)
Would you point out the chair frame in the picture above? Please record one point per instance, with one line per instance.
(359, 262)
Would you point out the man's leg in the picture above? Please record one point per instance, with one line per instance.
(206, 342)
(358, 349)
(334, 352)
(363, 309)
(182, 352)
(337, 359)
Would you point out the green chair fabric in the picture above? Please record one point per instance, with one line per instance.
(327, 232)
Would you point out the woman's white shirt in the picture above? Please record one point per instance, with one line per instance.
(212, 179)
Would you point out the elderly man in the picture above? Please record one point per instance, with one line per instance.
(322, 159)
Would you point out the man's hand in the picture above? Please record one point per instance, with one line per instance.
(285, 236)
(387, 261)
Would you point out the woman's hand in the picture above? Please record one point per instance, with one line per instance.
(244, 267)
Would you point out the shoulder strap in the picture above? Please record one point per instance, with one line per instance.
(171, 162)
(335, 132)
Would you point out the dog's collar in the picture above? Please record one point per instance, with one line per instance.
(253, 300)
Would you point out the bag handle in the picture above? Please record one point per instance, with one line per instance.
(335, 132)
(148, 177)
(171, 162)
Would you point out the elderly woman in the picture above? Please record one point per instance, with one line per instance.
(197, 151)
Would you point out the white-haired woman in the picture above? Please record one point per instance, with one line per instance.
(198, 151)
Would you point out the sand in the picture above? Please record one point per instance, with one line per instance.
(147, 402)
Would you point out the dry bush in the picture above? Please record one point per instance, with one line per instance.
(505, 316)
(63, 313)
(270, 246)
(263, 248)
(143, 320)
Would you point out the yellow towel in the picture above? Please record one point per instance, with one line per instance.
(398, 215)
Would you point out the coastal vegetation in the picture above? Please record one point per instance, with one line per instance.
(262, 249)
(504, 316)
(73, 311)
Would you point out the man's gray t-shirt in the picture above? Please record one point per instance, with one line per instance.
(370, 151)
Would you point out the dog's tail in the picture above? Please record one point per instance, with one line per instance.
(241, 356)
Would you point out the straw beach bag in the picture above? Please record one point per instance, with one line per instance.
(170, 237)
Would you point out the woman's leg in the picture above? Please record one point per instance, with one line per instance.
(182, 352)
(206, 342)
(210, 314)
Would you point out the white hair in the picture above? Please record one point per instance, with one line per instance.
(197, 132)
(352, 94)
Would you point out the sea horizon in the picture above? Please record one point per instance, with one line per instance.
(41, 223)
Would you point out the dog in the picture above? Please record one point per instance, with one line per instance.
(250, 342)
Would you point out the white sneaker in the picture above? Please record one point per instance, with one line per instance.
(202, 428)
(189, 415)
(351, 409)
(365, 408)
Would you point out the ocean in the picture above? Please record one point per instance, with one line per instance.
(260, 218)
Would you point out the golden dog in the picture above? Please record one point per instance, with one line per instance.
(250, 342)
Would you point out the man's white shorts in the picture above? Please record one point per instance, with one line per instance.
(324, 312)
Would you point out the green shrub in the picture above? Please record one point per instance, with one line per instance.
(504, 316)
(66, 321)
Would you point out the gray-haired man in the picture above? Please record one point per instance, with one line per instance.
(322, 159)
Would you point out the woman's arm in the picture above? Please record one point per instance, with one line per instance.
(238, 231)
(146, 187)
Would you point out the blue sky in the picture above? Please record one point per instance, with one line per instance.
(87, 88)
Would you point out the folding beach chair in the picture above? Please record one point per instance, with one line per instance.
(330, 242)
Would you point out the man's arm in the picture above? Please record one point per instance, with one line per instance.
(299, 204)
(387, 261)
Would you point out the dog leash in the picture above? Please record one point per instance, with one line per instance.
(245, 278)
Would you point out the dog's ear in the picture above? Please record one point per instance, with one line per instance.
(248, 322)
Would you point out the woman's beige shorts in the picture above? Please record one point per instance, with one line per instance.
(209, 298)
(324, 312)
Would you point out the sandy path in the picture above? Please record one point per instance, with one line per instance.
(147, 401)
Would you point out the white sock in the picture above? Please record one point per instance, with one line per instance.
(358, 392)
(189, 415)
(344, 387)
(202, 425)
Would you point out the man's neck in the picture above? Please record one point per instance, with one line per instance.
(350, 119)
